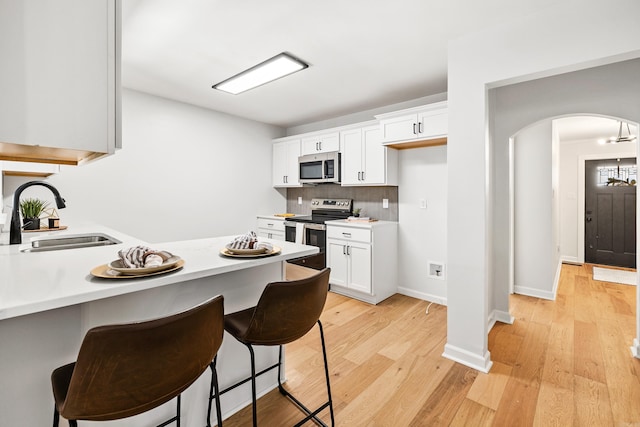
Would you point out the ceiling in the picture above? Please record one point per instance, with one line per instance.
(363, 54)
(581, 128)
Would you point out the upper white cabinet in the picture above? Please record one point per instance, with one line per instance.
(321, 143)
(60, 80)
(285, 163)
(365, 161)
(415, 124)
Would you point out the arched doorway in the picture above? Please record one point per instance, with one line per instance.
(547, 197)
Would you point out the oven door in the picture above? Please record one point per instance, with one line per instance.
(313, 235)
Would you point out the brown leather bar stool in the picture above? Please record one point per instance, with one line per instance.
(285, 312)
(125, 370)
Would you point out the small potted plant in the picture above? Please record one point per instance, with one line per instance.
(356, 212)
(31, 210)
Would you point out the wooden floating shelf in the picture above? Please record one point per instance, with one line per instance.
(417, 144)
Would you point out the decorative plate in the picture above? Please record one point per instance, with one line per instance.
(103, 271)
(119, 266)
(228, 253)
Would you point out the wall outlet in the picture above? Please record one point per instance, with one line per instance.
(385, 203)
(423, 204)
(299, 200)
(436, 270)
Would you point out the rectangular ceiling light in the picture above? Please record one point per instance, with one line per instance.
(279, 66)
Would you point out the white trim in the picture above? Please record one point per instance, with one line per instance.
(570, 260)
(422, 295)
(581, 195)
(512, 219)
(502, 317)
(635, 348)
(532, 292)
(481, 363)
(556, 279)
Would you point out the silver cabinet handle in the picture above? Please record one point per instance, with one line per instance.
(419, 127)
(320, 145)
(269, 225)
(414, 129)
(348, 251)
(363, 175)
(346, 234)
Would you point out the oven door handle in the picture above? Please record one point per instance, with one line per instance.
(314, 226)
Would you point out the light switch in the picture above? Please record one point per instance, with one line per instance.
(299, 200)
(385, 203)
(423, 204)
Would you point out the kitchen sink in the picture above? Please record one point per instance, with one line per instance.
(71, 242)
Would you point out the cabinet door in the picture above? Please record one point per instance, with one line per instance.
(360, 267)
(352, 169)
(374, 156)
(60, 70)
(280, 164)
(321, 143)
(293, 152)
(434, 124)
(401, 128)
(337, 260)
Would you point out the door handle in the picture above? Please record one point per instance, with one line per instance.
(589, 219)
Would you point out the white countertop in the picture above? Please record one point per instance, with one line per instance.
(361, 224)
(38, 281)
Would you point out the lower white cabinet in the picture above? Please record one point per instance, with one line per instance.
(363, 259)
(270, 228)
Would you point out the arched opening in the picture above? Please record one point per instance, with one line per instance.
(547, 196)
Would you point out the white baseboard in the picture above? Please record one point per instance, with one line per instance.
(531, 292)
(481, 363)
(635, 348)
(570, 260)
(422, 295)
(499, 316)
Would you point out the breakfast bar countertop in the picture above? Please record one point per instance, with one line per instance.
(37, 281)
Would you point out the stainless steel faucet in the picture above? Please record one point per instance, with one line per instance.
(15, 232)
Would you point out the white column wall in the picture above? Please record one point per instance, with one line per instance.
(496, 57)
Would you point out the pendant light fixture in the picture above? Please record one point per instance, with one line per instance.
(623, 138)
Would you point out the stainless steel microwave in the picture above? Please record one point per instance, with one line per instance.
(319, 168)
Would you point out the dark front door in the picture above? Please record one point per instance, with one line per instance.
(610, 212)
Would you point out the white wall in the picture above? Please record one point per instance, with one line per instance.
(422, 232)
(533, 269)
(500, 56)
(571, 154)
(184, 173)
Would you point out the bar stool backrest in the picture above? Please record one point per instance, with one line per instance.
(124, 370)
(287, 310)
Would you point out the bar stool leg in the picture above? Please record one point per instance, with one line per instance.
(253, 386)
(214, 393)
(56, 417)
(326, 371)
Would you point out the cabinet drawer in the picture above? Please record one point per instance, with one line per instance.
(349, 234)
(271, 224)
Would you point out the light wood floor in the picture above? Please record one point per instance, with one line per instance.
(562, 363)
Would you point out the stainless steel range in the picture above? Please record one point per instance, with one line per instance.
(311, 230)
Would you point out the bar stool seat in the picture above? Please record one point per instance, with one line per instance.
(127, 369)
(286, 311)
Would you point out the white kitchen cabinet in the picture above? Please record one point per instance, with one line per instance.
(365, 161)
(321, 143)
(60, 80)
(414, 124)
(270, 227)
(363, 259)
(285, 163)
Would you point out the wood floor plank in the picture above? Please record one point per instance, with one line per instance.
(588, 361)
(473, 414)
(443, 404)
(555, 406)
(488, 389)
(559, 363)
(592, 404)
